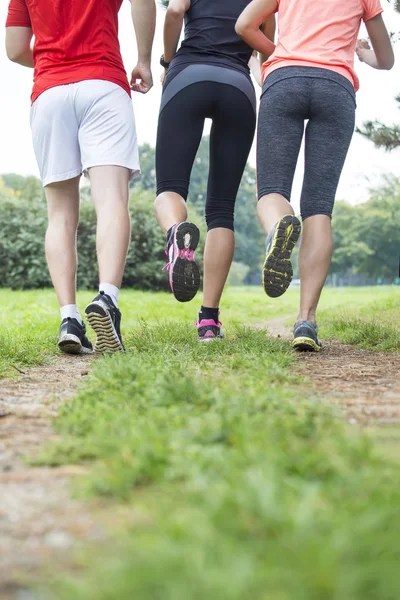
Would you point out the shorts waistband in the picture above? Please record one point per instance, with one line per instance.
(312, 72)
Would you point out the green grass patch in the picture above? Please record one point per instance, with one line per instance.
(370, 335)
(240, 485)
(373, 324)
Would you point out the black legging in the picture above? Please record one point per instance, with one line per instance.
(227, 98)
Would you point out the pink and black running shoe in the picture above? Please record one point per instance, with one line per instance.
(184, 275)
(209, 330)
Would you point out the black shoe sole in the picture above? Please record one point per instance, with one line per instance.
(100, 320)
(71, 344)
(185, 273)
(278, 270)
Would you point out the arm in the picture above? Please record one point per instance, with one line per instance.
(252, 18)
(18, 45)
(144, 22)
(381, 56)
(269, 30)
(173, 26)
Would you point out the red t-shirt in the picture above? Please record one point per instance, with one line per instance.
(75, 40)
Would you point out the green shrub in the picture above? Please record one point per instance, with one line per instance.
(23, 218)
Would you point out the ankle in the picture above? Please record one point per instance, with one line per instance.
(209, 314)
(307, 315)
(70, 311)
(110, 290)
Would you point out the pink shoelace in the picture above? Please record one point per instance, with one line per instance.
(185, 254)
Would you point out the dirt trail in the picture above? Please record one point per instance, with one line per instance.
(38, 518)
(365, 384)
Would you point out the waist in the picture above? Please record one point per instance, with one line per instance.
(45, 79)
(187, 57)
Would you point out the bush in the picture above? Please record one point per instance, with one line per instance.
(23, 216)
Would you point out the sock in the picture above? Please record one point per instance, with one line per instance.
(111, 290)
(209, 313)
(169, 233)
(70, 311)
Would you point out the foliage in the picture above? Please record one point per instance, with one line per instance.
(24, 220)
(366, 235)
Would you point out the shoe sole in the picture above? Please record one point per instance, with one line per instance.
(278, 270)
(185, 275)
(71, 344)
(305, 344)
(100, 321)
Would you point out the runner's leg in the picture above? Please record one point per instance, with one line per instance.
(180, 128)
(328, 136)
(280, 133)
(232, 135)
(110, 193)
(107, 137)
(63, 213)
(55, 140)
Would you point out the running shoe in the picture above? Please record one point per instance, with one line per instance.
(278, 270)
(105, 318)
(305, 335)
(184, 275)
(73, 339)
(209, 330)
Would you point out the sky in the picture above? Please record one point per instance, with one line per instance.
(365, 165)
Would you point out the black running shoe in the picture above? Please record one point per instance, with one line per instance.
(278, 270)
(105, 318)
(184, 275)
(72, 339)
(305, 335)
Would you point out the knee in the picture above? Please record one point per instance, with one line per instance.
(63, 223)
(316, 209)
(220, 213)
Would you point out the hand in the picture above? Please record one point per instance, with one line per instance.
(362, 49)
(141, 79)
(163, 76)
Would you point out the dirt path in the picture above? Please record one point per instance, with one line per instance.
(365, 384)
(38, 518)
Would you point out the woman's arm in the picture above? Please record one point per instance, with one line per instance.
(269, 30)
(252, 18)
(173, 27)
(381, 56)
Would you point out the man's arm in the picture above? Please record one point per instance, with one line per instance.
(144, 22)
(18, 45)
(19, 33)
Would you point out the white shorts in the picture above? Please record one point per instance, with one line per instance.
(83, 125)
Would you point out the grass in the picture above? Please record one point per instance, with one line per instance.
(373, 324)
(29, 321)
(237, 482)
(239, 485)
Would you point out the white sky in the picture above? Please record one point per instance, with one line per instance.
(364, 167)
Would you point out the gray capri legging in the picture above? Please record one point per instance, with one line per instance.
(292, 95)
